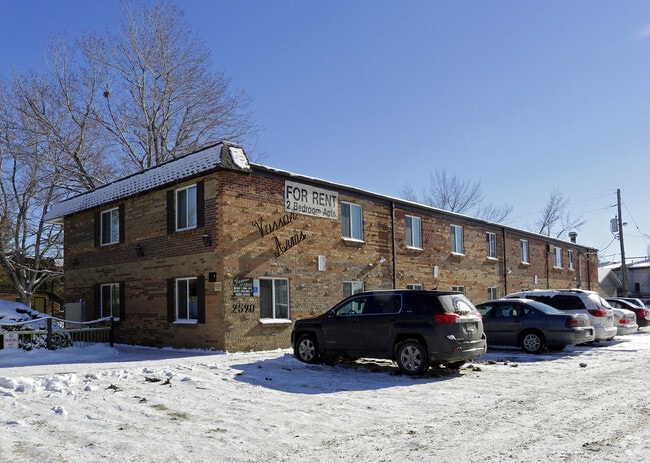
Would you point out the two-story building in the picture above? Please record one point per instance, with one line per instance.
(212, 251)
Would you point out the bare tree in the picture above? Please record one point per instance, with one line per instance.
(555, 218)
(160, 98)
(454, 194)
(28, 185)
(105, 107)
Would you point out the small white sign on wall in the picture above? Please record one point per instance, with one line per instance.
(10, 340)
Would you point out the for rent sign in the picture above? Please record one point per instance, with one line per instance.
(309, 200)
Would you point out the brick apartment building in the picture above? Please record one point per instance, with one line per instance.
(211, 251)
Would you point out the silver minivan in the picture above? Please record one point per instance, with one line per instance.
(601, 314)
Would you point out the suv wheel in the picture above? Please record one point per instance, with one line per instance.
(411, 357)
(306, 349)
(532, 342)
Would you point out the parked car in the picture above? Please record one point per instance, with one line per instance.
(641, 311)
(590, 303)
(625, 321)
(415, 328)
(532, 325)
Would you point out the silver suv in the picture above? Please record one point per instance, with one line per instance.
(601, 314)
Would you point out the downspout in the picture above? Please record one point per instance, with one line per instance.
(505, 263)
(392, 232)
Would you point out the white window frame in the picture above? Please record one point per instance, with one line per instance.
(557, 257)
(460, 289)
(413, 232)
(352, 287)
(112, 290)
(570, 259)
(491, 243)
(525, 252)
(351, 221)
(186, 208)
(279, 299)
(456, 237)
(414, 286)
(187, 304)
(493, 293)
(111, 217)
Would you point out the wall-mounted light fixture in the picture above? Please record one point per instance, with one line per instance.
(139, 250)
(382, 259)
(207, 241)
(75, 262)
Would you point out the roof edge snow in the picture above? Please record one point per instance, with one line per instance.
(222, 154)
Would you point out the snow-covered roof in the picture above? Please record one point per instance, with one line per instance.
(164, 174)
(607, 273)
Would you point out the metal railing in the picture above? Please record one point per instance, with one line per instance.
(54, 333)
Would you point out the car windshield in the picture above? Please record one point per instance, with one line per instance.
(547, 309)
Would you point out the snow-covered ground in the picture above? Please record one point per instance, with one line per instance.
(587, 404)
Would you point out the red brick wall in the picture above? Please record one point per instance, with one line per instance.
(253, 237)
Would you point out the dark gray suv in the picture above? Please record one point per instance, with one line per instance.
(415, 328)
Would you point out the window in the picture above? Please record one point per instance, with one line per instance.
(351, 221)
(491, 241)
(274, 298)
(557, 257)
(456, 233)
(186, 208)
(414, 286)
(460, 289)
(570, 259)
(109, 299)
(413, 232)
(525, 259)
(186, 300)
(492, 293)
(110, 226)
(109, 302)
(352, 287)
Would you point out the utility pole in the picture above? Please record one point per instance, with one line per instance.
(620, 237)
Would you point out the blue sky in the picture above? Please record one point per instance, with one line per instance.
(525, 96)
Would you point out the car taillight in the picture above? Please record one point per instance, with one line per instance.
(598, 312)
(445, 317)
(571, 322)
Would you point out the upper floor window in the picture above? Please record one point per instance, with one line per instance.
(525, 257)
(351, 221)
(352, 287)
(186, 208)
(110, 227)
(274, 298)
(413, 232)
(456, 234)
(557, 257)
(491, 242)
(570, 259)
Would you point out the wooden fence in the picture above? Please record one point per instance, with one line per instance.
(53, 333)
